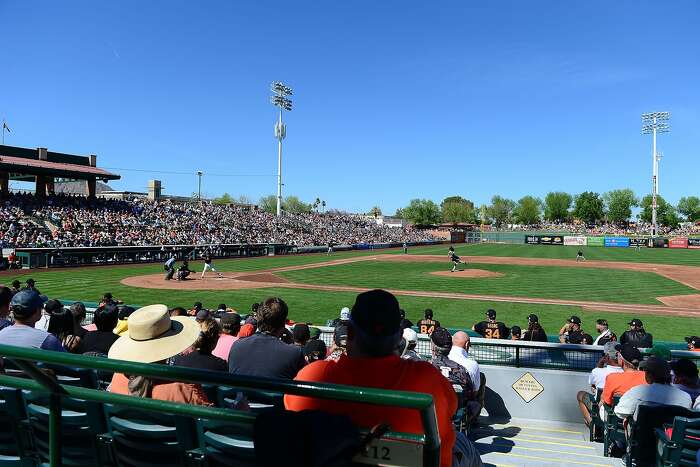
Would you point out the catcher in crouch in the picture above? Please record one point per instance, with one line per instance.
(454, 258)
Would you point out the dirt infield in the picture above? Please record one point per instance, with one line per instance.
(677, 305)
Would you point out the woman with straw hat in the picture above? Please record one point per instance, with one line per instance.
(154, 337)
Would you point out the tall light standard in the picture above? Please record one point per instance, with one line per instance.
(653, 123)
(280, 98)
(199, 190)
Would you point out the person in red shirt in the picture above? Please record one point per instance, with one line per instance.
(374, 331)
(616, 384)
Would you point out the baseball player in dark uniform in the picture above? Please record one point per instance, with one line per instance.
(208, 266)
(580, 257)
(491, 329)
(454, 258)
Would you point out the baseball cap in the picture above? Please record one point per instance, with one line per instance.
(30, 281)
(660, 351)
(516, 330)
(108, 295)
(26, 302)
(636, 322)
(315, 333)
(202, 315)
(575, 320)
(301, 332)
(533, 318)
(491, 313)
(610, 350)
(695, 340)
(53, 306)
(376, 313)
(230, 319)
(315, 350)
(629, 353)
(410, 335)
(442, 338)
(125, 312)
(197, 306)
(340, 335)
(657, 367)
(345, 314)
(685, 367)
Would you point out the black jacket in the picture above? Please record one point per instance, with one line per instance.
(637, 339)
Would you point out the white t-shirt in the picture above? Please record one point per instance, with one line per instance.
(460, 356)
(43, 322)
(697, 405)
(598, 375)
(663, 394)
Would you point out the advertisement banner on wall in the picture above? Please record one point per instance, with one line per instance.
(551, 239)
(574, 241)
(616, 242)
(694, 243)
(660, 242)
(639, 241)
(532, 239)
(594, 241)
(678, 242)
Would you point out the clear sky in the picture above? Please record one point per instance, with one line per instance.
(393, 99)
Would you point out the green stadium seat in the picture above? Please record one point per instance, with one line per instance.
(223, 444)
(614, 431)
(14, 435)
(597, 426)
(681, 449)
(258, 401)
(147, 438)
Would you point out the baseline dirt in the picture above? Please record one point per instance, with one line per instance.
(677, 305)
(468, 273)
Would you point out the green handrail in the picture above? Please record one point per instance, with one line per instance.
(418, 401)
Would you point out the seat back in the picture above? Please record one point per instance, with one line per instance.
(148, 438)
(12, 443)
(686, 441)
(642, 441)
(225, 443)
(257, 401)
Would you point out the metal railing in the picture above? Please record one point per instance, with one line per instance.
(26, 358)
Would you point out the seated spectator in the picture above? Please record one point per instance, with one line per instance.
(685, 377)
(491, 329)
(658, 389)
(637, 336)
(108, 299)
(534, 332)
(411, 338)
(178, 311)
(220, 310)
(607, 365)
(247, 330)
(693, 343)
(77, 310)
(453, 371)
(605, 335)
(301, 334)
(571, 332)
(373, 332)
(152, 336)
(617, 384)
(30, 284)
(405, 323)
(459, 353)
(195, 309)
(50, 307)
(340, 343)
(315, 349)
(16, 287)
(263, 353)
(428, 324)
(61, 325)
(5, 298)
(202, 316)
(230, 325)
(123, 321)
(202, 356)
(516, 333)
(26, 308)
(343, 318)
(101, 339)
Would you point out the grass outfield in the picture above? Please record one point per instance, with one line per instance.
(588, 284)
(88, 284)
(683, 257)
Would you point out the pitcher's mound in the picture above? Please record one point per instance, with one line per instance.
(468, 273)
(681, 301)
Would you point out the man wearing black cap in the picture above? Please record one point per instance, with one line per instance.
(26, 307)
(571, 332)
(405, 323)
(491, 329)
(428, 324)
(453, 371)
(534, 331)
(605, 334)
(693, 343)
(374, 332)
(685, 377)
(30, 285)
(637, 336)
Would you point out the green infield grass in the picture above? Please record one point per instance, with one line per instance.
(683, 257)
(588, 284)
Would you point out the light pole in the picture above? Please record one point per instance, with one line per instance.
(280, 98)
(653, 123)
(199, 189)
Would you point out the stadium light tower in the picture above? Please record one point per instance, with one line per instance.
(653, 123)
(280, 98)
(199, 189)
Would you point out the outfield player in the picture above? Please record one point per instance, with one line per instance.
(580, 257)
(208, 266)
(454, 258)
(491, 329)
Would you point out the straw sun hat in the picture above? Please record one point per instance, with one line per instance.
(153, 335)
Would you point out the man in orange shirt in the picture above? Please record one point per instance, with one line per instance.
(373, 333)
(616, 384)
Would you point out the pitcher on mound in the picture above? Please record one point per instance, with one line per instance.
(454, 258)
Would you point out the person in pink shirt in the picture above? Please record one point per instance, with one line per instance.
(230, 325)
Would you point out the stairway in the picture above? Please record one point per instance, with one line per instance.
(522, 442)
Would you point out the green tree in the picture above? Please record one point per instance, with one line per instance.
(422, 212)
(666, 214)
(528, 210)
(295, 205)
(243, 199)
(619, 204)
(457, 209)
(484, 217)
(690, 208)
(589, 207)
(375, 211)
(501, 210)
(557, 205)
(268, 203)
(223, 199)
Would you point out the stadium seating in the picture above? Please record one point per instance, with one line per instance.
(681, 449)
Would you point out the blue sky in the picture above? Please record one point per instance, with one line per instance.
(393, 99)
